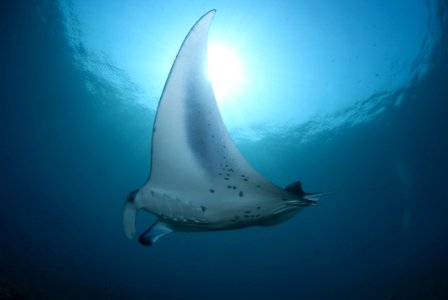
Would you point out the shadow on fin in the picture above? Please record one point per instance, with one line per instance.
(153, 233)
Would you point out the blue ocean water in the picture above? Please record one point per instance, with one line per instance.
(76, 118)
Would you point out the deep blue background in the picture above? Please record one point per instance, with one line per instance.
(69, 157)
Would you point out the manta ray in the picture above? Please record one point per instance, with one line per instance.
(199, 181)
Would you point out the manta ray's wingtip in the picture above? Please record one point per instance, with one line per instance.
(211, 11)
(210, 14)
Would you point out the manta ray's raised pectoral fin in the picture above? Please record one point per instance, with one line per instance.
(191, 146)
(154, 232)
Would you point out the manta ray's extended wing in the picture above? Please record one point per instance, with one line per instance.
(198, 179)
(191, 148)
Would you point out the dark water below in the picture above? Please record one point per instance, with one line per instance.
(69, 157)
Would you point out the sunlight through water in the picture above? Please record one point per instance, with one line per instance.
(225, 70)
(284, 69)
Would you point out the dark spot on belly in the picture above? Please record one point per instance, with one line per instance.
(258, 207)
(203, 208)
(226, 178)
(241, 194)
(258, 186)
(247, 212)
(234, 187)
(229, 186)
(245, 179)
(212, 190)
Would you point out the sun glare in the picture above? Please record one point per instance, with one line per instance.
(225, 71)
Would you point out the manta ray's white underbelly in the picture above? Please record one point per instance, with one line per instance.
(186, 214)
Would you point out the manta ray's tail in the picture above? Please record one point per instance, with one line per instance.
(296, 188)
(129, 215)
